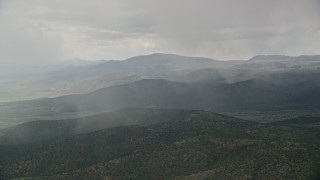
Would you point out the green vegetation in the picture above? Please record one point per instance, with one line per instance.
(304, 120)
(98, 135)
(36, 131)
(244, 96)
(274, 116)
(189, 145)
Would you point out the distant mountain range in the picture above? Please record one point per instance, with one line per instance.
(82, 77)
(245, 95)
(279, 58)
(264, 82)
(164, 81)
(160, 117)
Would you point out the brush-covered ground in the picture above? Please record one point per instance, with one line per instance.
(187, 145)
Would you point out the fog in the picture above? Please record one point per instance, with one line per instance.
(39, 32)
(149, 89)
(43, 45)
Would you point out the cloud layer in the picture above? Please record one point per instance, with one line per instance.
(47, 30)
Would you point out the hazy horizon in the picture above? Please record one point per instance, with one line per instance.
(49, 31)
(149, 89)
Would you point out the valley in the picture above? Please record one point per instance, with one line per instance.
(165, 116)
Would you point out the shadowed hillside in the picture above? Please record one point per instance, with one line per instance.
(35, 131)
(191, 145)
(240, 96)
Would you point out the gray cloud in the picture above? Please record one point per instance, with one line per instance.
(115, 29)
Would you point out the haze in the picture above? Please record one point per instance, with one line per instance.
(37, 31)
(159, 89)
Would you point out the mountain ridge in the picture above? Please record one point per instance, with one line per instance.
(182, 148)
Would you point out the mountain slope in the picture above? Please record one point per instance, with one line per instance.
(83, 77)
(250, 95)
(300, 121)
(36, 131)
(203, 145)
(147, 65)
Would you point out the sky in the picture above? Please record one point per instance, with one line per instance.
(42, 31)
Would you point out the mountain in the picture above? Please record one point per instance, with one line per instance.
(192, 145)
(269, 58)
(194, 83)
(203, 75)
(147, 65)
(249, 95)
(292, 77)
(78, 76)
(36, 131)
(303, 120)
(276, 63)
(280, 58)
(167, 65)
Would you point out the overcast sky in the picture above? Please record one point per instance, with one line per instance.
(34, 31)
